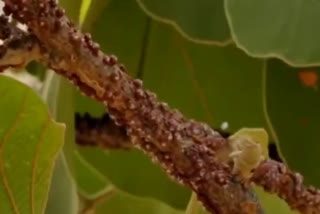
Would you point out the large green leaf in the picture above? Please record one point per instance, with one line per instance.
(123, 203)
(30, 141)
(72, 8)
(272, 203)
(208, 83)
(202, 21)
(286, 29)
(195, 206)
(58, 94)
(293, 105)
(120, 30)
(85, 5)
(89, 180)
(92, 13)
(133, 172)
(63, 195)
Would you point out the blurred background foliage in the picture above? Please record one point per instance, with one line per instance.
(229, 63)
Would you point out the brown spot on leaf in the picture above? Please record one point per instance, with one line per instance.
(309, 79)
(304, 122)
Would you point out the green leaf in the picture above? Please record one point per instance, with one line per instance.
(85, 5)
(85, 104)
(133, 172)
(63, 198)
(272, 203)
(94, 11)
(195, 206)
(292, 104)
(72, 8)
(28, 132)
(202, 21)
(58, 94)
(285, 29)
(89, 180)
(120, 30)
(210, 84)
(123, 203)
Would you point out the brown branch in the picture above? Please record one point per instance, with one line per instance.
(189, 151)
(273, 176)
(19, 48)
(276, 178)
(102, 132)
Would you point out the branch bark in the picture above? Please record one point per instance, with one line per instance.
(273, 176)
(187, 150)
(190, 152)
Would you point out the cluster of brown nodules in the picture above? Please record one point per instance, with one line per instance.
(101, 132)
(276, 178)
(18, 48)
(186, 149)
(5, 30)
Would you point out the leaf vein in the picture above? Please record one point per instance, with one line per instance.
(35, 162)
(2, 145)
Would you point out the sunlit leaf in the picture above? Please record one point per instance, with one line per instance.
(123, 203)
(272, 203)
(202, 21)
(286, 29)
(30, 141)
(133, 172)
(210, 84)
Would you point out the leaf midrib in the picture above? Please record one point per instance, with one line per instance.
(2, 145)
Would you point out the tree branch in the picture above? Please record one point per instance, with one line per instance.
(273, 176)
(186, 149)
(190, 152)
(276, 178)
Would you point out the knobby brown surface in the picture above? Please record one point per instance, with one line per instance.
(273, 176)
(276, 178)
(186, 149)
(189, 151)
